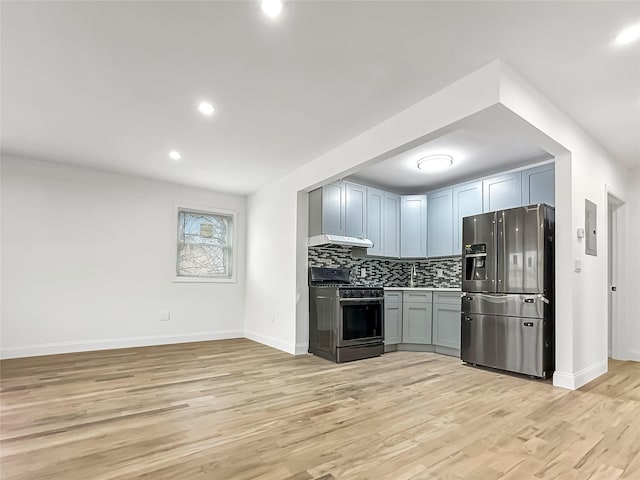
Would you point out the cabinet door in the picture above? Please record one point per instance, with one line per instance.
(391, 225)
(356, 205)
(446, 325)
(413, 226)
(416, 322)
(539, 184)
(375, 214)
(333, 209)
(392, 323)
(502, 192)
(467, 201)
(440, 223)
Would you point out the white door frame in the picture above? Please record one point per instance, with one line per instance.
(616, 253)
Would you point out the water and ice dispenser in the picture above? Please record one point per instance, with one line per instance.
(475, 261)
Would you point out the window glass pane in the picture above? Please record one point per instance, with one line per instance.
(204, 244)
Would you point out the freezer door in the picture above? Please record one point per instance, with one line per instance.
(520, 265)
(508, 343)
(511, 305)
(479, 253)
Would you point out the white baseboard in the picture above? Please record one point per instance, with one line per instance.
(573, 381)
(634, 355)
(271, 341)
(90, 345)
(302, 348)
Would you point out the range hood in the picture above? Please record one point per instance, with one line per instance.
(339, 240)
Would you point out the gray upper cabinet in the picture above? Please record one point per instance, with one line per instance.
(538, 185)
(467, 201)
(375, 219)
(327, 210)
(356, 208)
(413, 226)
(440, 223)
(391, 225)
(504, 191)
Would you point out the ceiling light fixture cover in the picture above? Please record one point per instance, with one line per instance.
(174, 155)
(435, 163)
(206, 108)
(628, 35)
(272, 8)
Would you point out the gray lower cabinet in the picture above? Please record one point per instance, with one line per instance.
(446, 319)
(446, 326)
(417, 322)
(392, 322)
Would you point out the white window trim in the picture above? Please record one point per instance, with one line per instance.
(234, 244)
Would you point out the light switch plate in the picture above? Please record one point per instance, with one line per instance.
(165, 315)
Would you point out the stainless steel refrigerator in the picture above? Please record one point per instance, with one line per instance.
(507, 319)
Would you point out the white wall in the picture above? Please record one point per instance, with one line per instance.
(632, 339)
(276, 309)
(583, 170)
(88, 260)
(582, 326)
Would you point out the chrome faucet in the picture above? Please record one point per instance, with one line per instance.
(412, 276)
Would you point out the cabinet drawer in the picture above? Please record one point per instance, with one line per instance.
(417, 297)
(448, 298)
(393, 297)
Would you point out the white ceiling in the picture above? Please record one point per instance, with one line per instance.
(115, 85)
(490, 141)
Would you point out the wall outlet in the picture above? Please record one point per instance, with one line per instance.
(440, 273)
(363, 272)
(273, 317)
(165, 315)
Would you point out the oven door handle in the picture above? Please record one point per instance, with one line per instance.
(362, 300)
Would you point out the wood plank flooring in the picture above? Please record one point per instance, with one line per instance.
(235, 409)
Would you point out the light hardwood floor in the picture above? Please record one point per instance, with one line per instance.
(235, 409)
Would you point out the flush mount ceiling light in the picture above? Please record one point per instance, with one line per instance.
(206, 108)
(174, 155)
(628, 35)
(435, 163)
(272, 8)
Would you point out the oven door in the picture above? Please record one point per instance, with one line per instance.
(360, 321)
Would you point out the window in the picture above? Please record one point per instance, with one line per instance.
(205, 245)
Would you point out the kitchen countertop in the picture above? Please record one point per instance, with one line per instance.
(426, 289)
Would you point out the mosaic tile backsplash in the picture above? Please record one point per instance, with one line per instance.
(389, 272)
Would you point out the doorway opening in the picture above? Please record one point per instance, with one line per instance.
(615, 229)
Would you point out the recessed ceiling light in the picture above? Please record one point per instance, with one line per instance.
(206, 108)
(435, 163)
(174, 155)
(628, 35)
(272, 8)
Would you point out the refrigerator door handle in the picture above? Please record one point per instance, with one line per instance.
(538, 297)
(544, 299)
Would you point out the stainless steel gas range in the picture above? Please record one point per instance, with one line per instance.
(346, 322)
